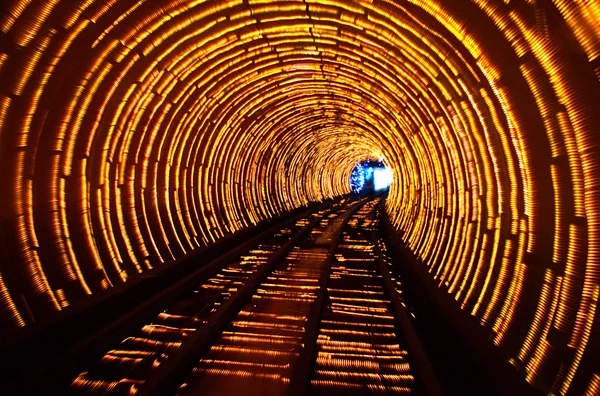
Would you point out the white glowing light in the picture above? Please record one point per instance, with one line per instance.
(382, 179)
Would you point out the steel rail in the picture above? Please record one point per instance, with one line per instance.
(300, 380)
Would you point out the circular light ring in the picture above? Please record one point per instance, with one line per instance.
(133, 132)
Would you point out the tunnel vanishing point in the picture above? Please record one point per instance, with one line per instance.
(133, 132)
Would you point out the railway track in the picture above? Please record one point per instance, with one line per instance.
(312, 309)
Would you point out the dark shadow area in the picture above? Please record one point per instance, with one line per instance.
(462, 352)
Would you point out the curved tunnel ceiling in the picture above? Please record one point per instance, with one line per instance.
(133, 132)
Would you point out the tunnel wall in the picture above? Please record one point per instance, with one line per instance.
(132, 132)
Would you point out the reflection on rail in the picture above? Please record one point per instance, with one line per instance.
(123, 369)
(358, 349)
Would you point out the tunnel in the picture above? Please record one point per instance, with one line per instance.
(133, 133)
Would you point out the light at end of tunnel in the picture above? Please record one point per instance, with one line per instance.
(369, 176)
(382, 178)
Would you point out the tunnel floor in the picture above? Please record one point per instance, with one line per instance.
(315, 318)
(316, 307)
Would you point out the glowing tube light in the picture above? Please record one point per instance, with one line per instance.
(133, 133)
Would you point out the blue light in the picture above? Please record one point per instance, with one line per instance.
(357, 178)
